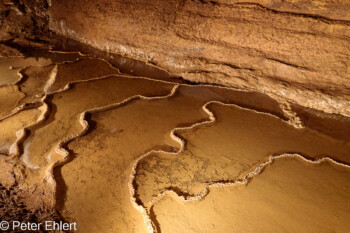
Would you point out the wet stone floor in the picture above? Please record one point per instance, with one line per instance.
(117, 152)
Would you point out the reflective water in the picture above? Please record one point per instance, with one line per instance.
(116, 142)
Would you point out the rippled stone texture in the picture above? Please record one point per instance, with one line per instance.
(296, 50)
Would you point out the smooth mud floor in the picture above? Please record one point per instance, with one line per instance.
(121, 152)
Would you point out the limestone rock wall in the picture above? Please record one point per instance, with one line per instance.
(295, 50)
(24, 18)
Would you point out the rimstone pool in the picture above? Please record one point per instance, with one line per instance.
(86, 141)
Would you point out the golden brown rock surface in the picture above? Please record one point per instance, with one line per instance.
(298, 50)
(127, 148)
(83, 142)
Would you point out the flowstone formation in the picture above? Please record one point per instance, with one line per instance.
(187, 116)
(83, 142)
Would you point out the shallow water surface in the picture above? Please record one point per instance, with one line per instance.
(126, 153)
